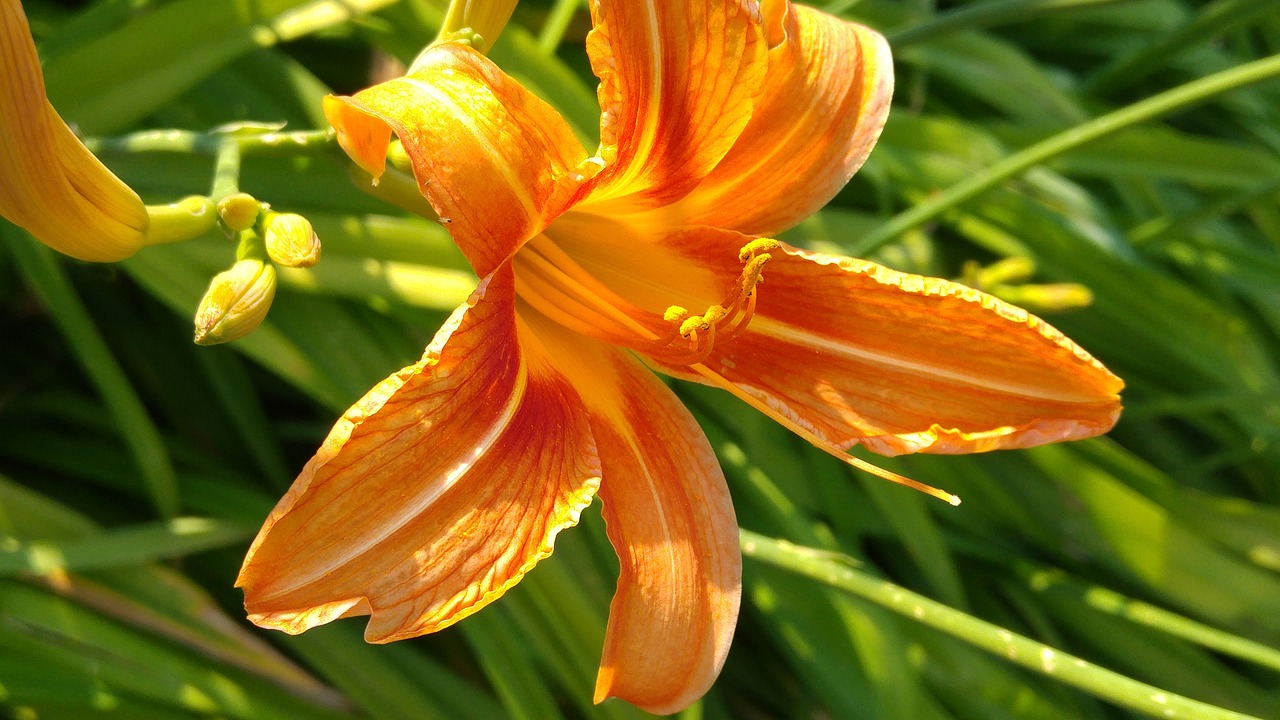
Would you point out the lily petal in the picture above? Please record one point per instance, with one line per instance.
(436, 492)
(670, 519)
(495, 161)
(823, 104)
(855, 353)
(678, 80)
(50, 184)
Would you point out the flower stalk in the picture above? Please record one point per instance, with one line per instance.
(186, 219)
(477, 22)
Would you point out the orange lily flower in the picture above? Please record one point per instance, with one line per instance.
(50, 184)
(723, 122)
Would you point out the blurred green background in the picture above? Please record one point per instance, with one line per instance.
(1129, 576)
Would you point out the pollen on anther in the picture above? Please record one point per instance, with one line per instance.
(714, 314)
(753, 273)
(760, 245)
(675, 314)
(693, 324)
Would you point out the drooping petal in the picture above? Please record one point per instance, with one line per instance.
(823, 104)
(860, 354)
(677, 85)
(671, 521)
(50, 184)
(436, 492)
(495, 161)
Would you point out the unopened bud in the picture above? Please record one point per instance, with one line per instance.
(291, 241)
(399, 157)
(236, 302)
(239, 211)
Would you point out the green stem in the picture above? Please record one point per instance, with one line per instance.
(1178, 98)
(1111, 602)
(226, 170)
(839, 572)
(396, 188)
(454, 19)
(251, 247)
(186, 219)
(185, 141)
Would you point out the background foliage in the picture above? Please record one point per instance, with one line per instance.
(1137, 574)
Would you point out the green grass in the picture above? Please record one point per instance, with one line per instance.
(1130, 147)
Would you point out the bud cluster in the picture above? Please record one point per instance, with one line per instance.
(238, 299)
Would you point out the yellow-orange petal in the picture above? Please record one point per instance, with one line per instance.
(436, 492)
(50, 184)
(677, 84)
(823, 104)
(671, 521)
(496, 162)
(857, 353)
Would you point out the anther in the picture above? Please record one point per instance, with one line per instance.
(693, 325)
(755, 247)
(752, 274)
(726, 319)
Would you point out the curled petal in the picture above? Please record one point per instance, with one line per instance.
(677, 85)
(823, 104)
(436, 492)
(496, 162)
(671, 521)
(50, 184)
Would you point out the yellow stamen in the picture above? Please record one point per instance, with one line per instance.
(554, 284)
(733, 313)
(755, 247)
(692, 325)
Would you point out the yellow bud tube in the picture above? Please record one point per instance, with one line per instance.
(50, 184)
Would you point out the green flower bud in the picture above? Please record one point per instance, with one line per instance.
(291, 241)
(239, 211)
(236, 302)
(399, 157)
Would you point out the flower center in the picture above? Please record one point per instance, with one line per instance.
(548, 279)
